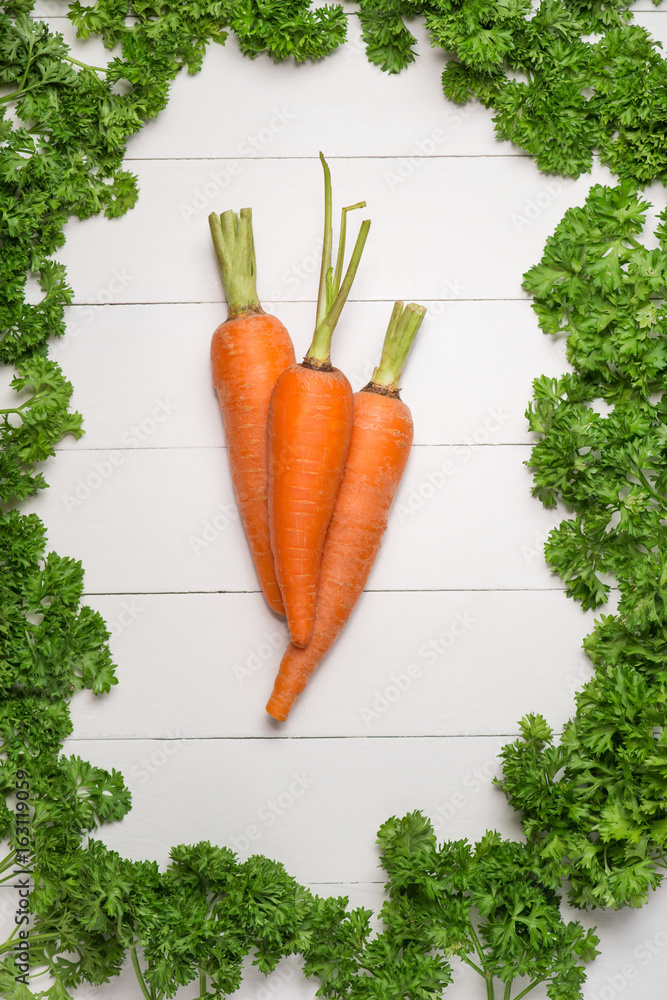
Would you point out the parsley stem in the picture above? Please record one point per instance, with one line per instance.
(22, 89)
(202, 982)
(139, 975)
(490, 993)
(507, 992)
(6, 944)
(27, 65)
(15, 94)
(36, 396)
(478, 946)
(644, 481)
(7, 862)
(532, 986)
(71, 59)
(32, 939)
(473, 965)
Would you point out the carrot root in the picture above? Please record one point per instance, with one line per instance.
(310, 423)
(248, 353)
(379, 448)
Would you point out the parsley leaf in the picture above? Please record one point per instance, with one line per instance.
(594, 804)
(483, 904)
(288, 29)
(30, 430)
(389, 43)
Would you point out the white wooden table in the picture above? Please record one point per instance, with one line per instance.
(460, 588)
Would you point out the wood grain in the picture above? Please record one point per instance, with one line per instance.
(457, 218)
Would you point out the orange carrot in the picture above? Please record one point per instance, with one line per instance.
(310, 423)
(381, 440)
(248, 353)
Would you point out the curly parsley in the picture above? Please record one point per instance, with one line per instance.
(594, 803)
(558, 93)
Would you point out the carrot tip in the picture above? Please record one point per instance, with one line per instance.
(275, 605)
(277, 710)
(300, 639)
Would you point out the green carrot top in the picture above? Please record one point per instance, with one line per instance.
(332, 292)
(401, 332)
(235, 249)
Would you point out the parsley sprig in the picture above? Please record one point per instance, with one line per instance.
(30, 430)
(64, 126)
(594, 802)
(483, 904)
(558, 93)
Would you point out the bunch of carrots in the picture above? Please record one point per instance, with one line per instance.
(315, 467)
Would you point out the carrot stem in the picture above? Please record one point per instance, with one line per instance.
(401, 332)
(327, 244)
(340, 253)
(234, 246)
(333, 293)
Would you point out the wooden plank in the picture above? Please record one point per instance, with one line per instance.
(469, 376)
(445, 229)
(460, 663)
(483, 221)
(292, 110)
(164, 520)
(648, 16)
(313, 804)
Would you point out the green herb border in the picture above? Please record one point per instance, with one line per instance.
(593, 805)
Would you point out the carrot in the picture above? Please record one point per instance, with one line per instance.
(381, 440)
(248, 353)
(310, 424)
